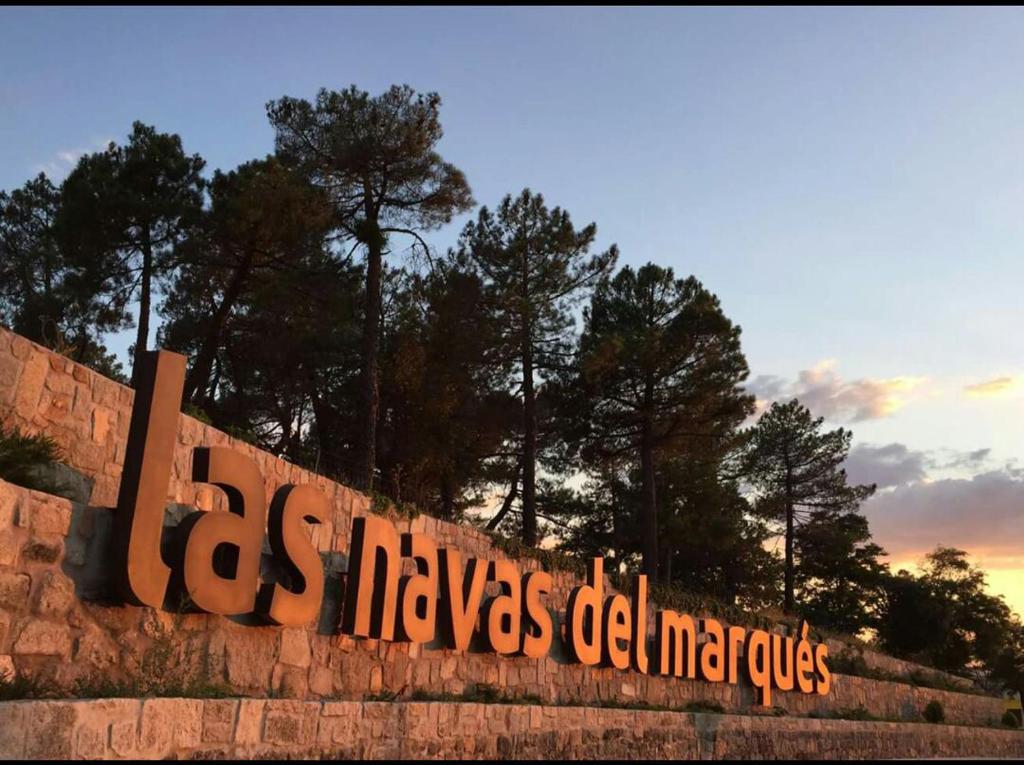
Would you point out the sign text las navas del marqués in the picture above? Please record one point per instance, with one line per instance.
(214, 567)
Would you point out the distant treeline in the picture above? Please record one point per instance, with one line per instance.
(321, 325)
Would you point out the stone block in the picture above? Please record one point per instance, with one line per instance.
(12, 731)
(40, 638)
(55, 595)
(30, 384)
(7, 672)
(249, 728)
(52, 516)
(157, 726)
(123, 738)
(10, 546)
(219, 720)
(91, 742)
(14, 589)
(250, 654)
(188, 730)
(295, 649)
(49, 726)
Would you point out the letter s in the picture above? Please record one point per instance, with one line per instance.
(298, 603)
(823, 677)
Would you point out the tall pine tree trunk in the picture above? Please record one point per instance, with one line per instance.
(649, 503)
(788, 603)
(529, 450)
(369, 383)
(145, 299)
(197, 383)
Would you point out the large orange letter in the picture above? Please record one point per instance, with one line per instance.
(142, 575)
(638, 645)
(616, 620)
(221, 551)
(417, 593)
(298, 603)
(371, 595)
(583, 616)
(501, 615)
(460, 597)
(676, 638)
(711, 667)
(538, 630)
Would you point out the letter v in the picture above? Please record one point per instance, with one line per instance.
(459, 604)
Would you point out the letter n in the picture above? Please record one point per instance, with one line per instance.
(374, 565)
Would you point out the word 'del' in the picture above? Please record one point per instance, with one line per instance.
(212, 563)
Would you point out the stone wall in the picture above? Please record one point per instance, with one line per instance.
(256, 729)
(56, 620)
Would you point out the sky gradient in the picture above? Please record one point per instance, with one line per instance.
(850, 182)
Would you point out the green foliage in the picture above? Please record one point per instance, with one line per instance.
(42, 295)
(24, 687)
(376, 159)
(795, 469)
(704, 707)
(535, 266)
(448, 410)
(41, 552)
(123, 211)
(197, 413)
(386, 696)
(658, 377)
(25, 457)
(162, 673)
(840, 578)
(933, 712)
(945, 618)
(1010, 720)
(858, 713)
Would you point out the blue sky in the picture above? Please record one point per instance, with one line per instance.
(850, 182)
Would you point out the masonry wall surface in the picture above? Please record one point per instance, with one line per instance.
(56, 619)
(256, 729)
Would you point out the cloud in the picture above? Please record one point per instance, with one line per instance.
(64, 160)
(989, 388)
(887, 466)
(950, 459)
(827, 395)
(983, 515)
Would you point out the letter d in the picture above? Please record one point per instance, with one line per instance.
(583, 616)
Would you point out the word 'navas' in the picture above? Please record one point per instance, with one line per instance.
(213, 564)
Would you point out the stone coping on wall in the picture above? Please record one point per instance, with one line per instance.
(256, 729)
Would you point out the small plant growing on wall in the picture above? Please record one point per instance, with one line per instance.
(1010, 720)
(24, 459)
(933, 712)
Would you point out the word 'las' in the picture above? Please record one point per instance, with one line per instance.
(214, 566)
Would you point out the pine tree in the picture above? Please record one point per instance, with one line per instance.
(123, 212)
(660, 370)
(535, 266)
(795, 468)
(41, 297)
(376, 158)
